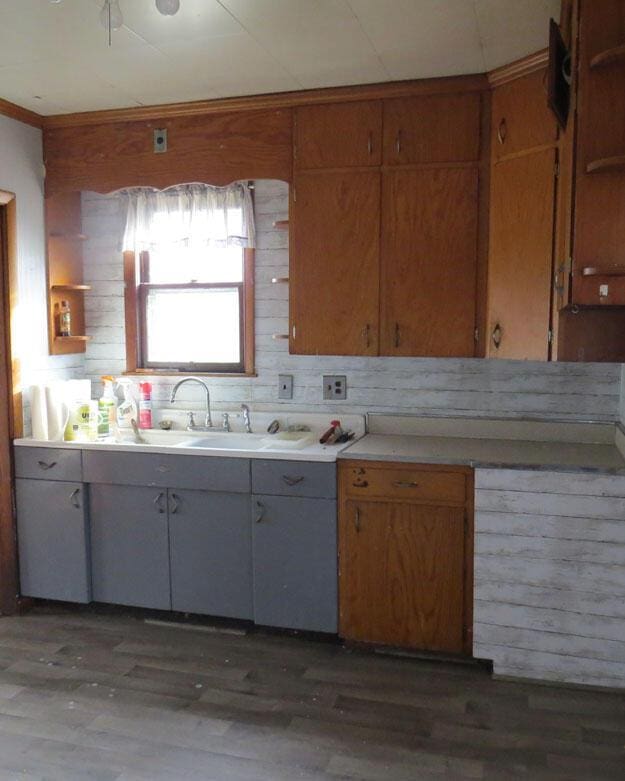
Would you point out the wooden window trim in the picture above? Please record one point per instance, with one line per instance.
(135, 281)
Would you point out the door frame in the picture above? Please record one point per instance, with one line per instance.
(10, 405)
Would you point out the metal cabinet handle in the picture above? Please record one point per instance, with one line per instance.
(397, 335)
(73, 497)
(366, 331)
(260, 514)
(158, 502)
(364, 484)
(46, 465)
(496, 336)
(293, 480)
(398, 142)
(370, 144)
(502, 131)
(175, 503)
(162, 469)
(406, 484)
(357, 520)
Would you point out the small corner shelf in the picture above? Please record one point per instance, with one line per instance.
(70, 287)
(608, 56)
(68, 339)
(281, 225)
(603, 271)
(605, 164)
(69, 236)
(280, 281)
(279, 336)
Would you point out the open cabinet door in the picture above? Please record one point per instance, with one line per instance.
(8, 552)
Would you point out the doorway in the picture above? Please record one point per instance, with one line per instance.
(10, 405)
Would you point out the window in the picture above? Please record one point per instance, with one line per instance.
(189, 281)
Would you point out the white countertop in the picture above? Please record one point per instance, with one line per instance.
(504, 453)
(312, 452)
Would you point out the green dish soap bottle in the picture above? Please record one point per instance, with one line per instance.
(107, 409)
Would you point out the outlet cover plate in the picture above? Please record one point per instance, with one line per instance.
(334, 387)
(285, 386)
(160, 141)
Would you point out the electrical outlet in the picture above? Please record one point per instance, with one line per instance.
(160, 141)
(334, 386)
(285, 386)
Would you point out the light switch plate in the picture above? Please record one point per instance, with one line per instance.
(334, 387)
(285, 386)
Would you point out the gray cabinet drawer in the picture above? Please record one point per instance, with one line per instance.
(167, 471)
(294, 478)
(48, 463)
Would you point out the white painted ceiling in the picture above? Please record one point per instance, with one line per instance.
(54, 57)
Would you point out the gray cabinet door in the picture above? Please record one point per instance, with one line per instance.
(52, 540)
(295, 562)
(130, 546)
(211, 553)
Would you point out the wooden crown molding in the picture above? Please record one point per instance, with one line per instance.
(272, 101)
(518, 68)
(13, 111)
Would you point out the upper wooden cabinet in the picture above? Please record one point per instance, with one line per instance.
(432, 129)
(429, 262)
(521, 118)
(338, 135)
(520, 262)
(334, 241)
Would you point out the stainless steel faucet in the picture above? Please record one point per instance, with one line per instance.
(246, 418)
(208, 423)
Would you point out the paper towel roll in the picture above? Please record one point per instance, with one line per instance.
(57, 413)
(38, 412)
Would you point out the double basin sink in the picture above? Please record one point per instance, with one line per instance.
(223, 440)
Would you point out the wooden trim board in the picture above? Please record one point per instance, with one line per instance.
(13, 111)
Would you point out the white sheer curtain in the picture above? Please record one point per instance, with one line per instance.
(189, 215)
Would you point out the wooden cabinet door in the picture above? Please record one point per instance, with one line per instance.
(429, 262)
(211, 553)
(402, 574)
(520, 256)
(521, 118)
(338, 135)
(130, 546)
(334, 263)
(432, 129)
(295, 567)
(52, 540)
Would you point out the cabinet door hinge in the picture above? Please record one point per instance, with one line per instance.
(476, 335)
(293, 331)
(556, 169)
(550, 336)
(294, 194)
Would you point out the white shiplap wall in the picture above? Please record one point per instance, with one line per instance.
(425, 386)
(550, 575)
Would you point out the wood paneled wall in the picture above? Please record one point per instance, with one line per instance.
(217, 149)
(550, 575)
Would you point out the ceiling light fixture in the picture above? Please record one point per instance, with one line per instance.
(168, 7)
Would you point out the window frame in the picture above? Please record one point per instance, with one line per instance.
(137, 287)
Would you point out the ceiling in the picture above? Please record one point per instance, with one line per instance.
(55, 58)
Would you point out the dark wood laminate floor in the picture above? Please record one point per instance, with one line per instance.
(109, 698)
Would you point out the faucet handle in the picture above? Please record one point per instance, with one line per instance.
(190, 420)
(225, 421)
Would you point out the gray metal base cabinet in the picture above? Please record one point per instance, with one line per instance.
(295, 563)
(211, 553)
(130, 546)
(53, 540)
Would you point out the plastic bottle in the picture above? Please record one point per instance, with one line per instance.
(107, 408)
(127, 409)
(82, 424)
(145, 405)
(65, 319)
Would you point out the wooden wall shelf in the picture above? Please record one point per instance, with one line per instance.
(279, 336)
(609, 56)
(606, 164)
(280, 281)
(603, 271)
(69, 236)
(281, 225)
(68, 339)
(71, 287)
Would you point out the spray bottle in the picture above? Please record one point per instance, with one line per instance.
(127, 409)
(107, 408)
